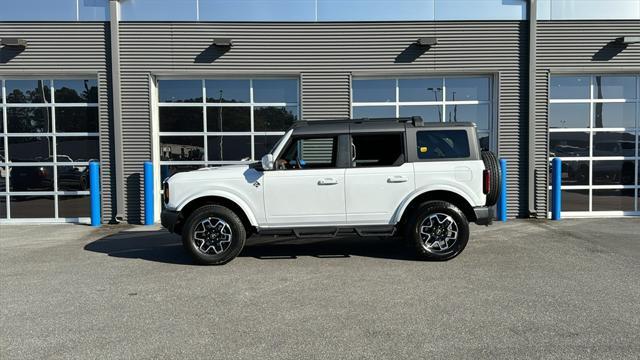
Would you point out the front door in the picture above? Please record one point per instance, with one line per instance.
(306, 188)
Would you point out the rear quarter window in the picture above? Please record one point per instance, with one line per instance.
(442, 144)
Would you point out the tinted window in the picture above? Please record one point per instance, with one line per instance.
(77, 119)
(478, 114)
(32, 206)
(78, 148)
(459, 89)
(76, 91)
(28, 91)
(29, 120)
(420, 89)
(569, 144)
(614, 144)
(569, 115)
(615, 87)
(30, 149)
(442, 144)
(274, 118)
(188, 148)
(228, 91)
(383, 90)
(374, 112)
(570, 87)
(227, 148)
(310, 153)
(180, 91)
(614, 115)
(368, 152)
(613, 200)
(275, 91)
(178, 119)
(228, 119)
(74, 206)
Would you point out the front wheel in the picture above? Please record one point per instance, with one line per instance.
(213, 235)
(438, 230)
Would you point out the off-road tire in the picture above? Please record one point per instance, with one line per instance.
(421, 214)
(238, 236)
(495, 176)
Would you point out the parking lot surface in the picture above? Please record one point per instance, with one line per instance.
(523, 289)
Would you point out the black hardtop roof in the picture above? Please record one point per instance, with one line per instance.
(391, 124)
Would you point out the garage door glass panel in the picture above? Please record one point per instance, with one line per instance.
(27, 91)
(570, 87)
(180, 91)
(478, 114)
(185, 148)
(181, 119)
(3, 207)
(275, 91)
(614, 172)
(229, 119)
(228, 91)
(614, 144)
(374, 90)
(77, 148)
(29, 120)
(569, 115)
(615, 87)
(77, 119)
(73, 178)
(613, 200)
(76, 91)
(233, 148)
(429, 113)
(614, 115)
(569, 144)
(30, 149)
(425, 89)
(374, 112)
(31, 178)
(575, 200)
(575, 173)
(74, 206)
(461, 89)
(264, 144)
(273, 118)
(23, 207)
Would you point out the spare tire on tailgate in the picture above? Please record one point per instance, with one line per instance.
(495, 176)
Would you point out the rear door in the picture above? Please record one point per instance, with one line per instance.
(379, 177)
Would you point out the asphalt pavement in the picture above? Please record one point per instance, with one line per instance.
(522, 289)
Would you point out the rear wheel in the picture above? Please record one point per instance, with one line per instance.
(438, 230)
(213, 235)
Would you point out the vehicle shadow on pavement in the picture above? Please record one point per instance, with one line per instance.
(160, 246)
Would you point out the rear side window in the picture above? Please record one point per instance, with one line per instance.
(375, 150)
(442, 144)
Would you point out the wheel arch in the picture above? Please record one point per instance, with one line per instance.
(242, 210)
(450, 196)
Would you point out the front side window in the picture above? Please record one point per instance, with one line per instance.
(442, 144)
(309, 153)
(375, 150)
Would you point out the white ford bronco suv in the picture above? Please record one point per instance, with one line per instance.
(367, 177)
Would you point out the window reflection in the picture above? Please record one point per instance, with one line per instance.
(74, 206)
(28, 91)
(76, 91)
(180, 91)
(374, 112)
(275, 91)
(274, 118)
(614, 144)
(615, 87)
(181, 119)
(31, 178)
(568, 144)
(383, 90)
(77, 119)
(73, 178)
(29, 120)
(36, 206)
(257, 10)
(228, 91)
(614, 172)
(478, 114)
(467, 89)
(570, 87)
(420, 89)
(229, 148)
(375, 10)
(569, 115)
(185, 148)
(429, 113)
(30, 149)
(228, 119)
(620, 115)
(78, 148)
(613, 200)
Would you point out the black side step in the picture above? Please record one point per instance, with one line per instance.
(331, 232)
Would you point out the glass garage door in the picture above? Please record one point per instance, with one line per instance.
(209, 122)
(48, 135)
(593, 128)
(436, 99)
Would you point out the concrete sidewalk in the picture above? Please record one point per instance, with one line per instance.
(524, 289)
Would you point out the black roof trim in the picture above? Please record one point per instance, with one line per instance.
(415, 121)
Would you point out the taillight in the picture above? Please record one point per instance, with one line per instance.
(165, 194)
(486, 181)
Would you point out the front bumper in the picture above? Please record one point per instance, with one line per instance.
(169, 219)
(484, 215)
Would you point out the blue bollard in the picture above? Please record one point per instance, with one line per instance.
(502, 201)
(94, 187)
(556, 205)
(148, 193)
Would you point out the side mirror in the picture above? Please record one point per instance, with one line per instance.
(267, 162)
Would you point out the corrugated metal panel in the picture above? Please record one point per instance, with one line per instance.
(577, 46)
(325, 95)
(323, 55)
(58, 49)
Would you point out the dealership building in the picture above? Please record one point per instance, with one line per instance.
(194, 83)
